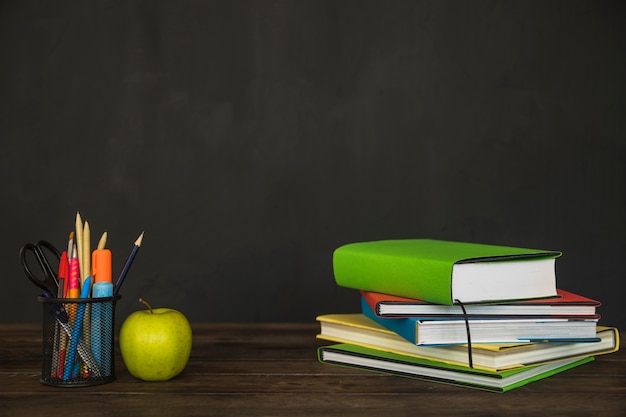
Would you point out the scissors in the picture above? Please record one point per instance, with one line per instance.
(47, 280)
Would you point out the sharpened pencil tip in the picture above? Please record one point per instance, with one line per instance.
(139, 239)
(103, 240)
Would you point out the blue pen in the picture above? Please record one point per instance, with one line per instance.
(76, 331)
(83, 351)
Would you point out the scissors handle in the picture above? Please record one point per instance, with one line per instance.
(50, 247)
(48, 282)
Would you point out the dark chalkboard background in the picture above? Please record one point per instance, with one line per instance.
(249, 139)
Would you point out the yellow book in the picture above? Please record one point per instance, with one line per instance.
(357, 329)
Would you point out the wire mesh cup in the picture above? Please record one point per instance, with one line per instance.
(77, 342)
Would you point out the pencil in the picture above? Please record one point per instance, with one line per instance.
(103, 241)
(85, 265)
(79, 244)
(86, 288)
(129, 262)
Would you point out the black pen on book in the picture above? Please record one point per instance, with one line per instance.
(129, 262)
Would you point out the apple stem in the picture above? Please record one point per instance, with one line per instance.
(141, 300)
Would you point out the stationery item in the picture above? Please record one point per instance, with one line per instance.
(70, 243)
(101, 332)
(47, 279)
(59, 354)
(61, 317)
(79, 244)
(73, 290)
(102, 289)
(62, 293)
(85, 268)
(60, 338)
(79, 351)
(70, 248)
(102, 313)
(101, 273)
(85, 265)
(390, 363)
(62, 351)
(357, 329)
(445, 272)
(55, 314)
(76, 332)
(81, 277)
(101, 261)
(566, 305)
(62, 275)
(102, 241)
(58, 334)
(127, 265)
(447, 332)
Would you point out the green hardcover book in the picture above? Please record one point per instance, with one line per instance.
(390, 363)
(443, 272)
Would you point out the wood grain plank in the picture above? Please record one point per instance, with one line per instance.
(272, 370)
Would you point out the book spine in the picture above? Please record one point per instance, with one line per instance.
(403, 327)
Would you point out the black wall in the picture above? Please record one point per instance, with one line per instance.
(249, 139)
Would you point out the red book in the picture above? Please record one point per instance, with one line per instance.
(566, 305)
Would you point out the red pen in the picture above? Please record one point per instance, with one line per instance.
(62, 276)
(61, 341)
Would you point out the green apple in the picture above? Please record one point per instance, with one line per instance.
(155, 343)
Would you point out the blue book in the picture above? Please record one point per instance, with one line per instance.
(449, 332)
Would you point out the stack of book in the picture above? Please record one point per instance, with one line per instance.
(482, 316)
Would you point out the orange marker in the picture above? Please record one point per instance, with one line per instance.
(101, 265)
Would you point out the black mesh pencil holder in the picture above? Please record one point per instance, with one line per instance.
(77, 343)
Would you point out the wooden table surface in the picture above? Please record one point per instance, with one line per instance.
(272, 370)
